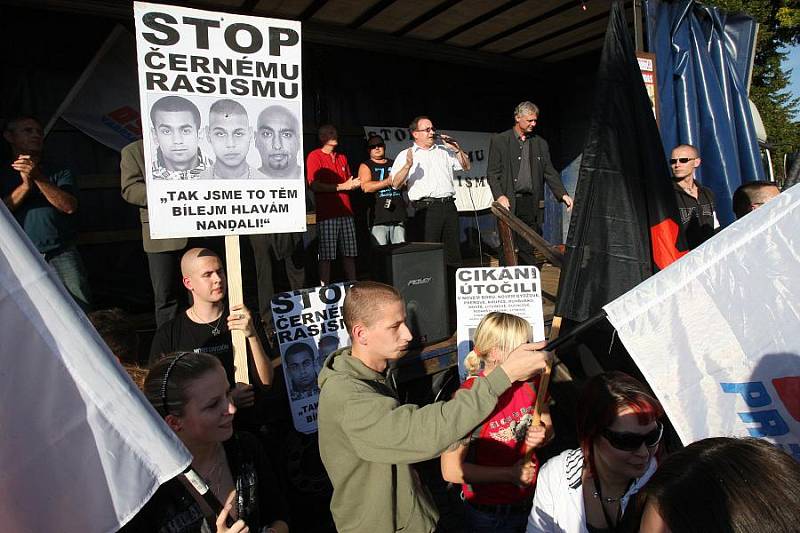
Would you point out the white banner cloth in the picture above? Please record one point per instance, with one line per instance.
(717, 333)
(81, 450)
(472, 189)
(104, 102)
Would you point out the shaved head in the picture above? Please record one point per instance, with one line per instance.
(227, 107)
(277, 112)
(364, 301)
(278, 142)
(694, 150)
(189, 260)
(753, 195)
(203, 276)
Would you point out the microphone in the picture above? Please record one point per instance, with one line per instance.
(444, 137)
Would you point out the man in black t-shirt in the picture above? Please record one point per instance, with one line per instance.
(389, 214)
(695, 202)
(204, 326)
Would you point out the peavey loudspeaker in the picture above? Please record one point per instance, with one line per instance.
(418, 271)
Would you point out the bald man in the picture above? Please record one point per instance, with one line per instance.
(229, 134)
(206, 326)
(752, 195)
(695, 202)
(278, 142)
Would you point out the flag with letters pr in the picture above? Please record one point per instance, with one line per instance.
(716, 333)
(625, 225)
(81, 449)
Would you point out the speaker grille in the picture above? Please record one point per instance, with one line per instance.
(417, 270)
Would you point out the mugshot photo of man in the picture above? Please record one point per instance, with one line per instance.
(299, 360)
(175, 128)
(327, 345)
(278, 142)
(229, 134)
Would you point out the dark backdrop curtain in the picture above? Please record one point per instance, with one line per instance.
(702, 57)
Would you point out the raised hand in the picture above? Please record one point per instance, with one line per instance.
(241, 319)
(239, 526)
(526, 361)
(243, 395)
(536, 436)
(522, 473)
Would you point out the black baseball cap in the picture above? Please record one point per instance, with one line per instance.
(375, 140)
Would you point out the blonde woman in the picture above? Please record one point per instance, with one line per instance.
(497, 483)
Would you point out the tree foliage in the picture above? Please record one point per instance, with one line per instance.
(779, 28)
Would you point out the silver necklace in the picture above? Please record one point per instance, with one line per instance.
(605, 499)
(214, 474)
(215, 328)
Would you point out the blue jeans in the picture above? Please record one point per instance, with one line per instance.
(477, 521)
(69, 267)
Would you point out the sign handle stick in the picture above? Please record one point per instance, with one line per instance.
(544, 384)
(209, 505)
(233, 268)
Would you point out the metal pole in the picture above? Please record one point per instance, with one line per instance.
(637, 25)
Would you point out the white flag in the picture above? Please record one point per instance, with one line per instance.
(717, 333)
(81, 450)
(104, 102)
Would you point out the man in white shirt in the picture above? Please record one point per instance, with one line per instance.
(427, 169)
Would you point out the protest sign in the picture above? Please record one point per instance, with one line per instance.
(479, 291)
(715, 334)
(81, 449)
(472, 189)
(309, 325)
(221, 108)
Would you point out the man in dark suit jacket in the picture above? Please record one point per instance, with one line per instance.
(519, 162)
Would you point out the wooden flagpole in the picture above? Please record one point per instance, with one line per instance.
(544, 384)
(233, 269)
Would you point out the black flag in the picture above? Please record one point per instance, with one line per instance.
(625, 225)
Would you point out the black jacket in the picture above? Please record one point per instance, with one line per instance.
(503, 167)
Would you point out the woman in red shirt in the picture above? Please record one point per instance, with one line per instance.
(497, 483)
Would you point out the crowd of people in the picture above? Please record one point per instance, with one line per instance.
(618, 478)
(488, 436)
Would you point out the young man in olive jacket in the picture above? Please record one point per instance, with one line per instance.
(368, 440)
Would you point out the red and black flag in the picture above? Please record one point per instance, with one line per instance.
(625, 225)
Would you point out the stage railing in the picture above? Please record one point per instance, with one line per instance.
(508, 223)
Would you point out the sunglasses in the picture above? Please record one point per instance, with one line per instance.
(373, 146)
(681, 160)
(630, 442)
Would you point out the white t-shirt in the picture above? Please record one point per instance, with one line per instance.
(431, 174)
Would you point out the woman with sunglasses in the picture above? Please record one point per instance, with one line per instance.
(190, 390)
(497, 482)
(588, 489)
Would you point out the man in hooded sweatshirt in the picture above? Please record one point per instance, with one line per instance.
(368, 440)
